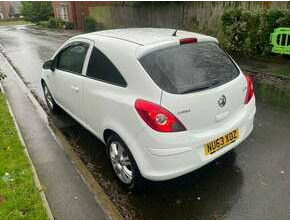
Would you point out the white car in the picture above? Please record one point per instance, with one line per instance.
(165, 102)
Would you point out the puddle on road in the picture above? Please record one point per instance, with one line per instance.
(207, 193)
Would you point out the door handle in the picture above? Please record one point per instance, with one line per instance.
(75, 88)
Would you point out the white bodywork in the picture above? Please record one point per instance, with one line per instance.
(99, 106)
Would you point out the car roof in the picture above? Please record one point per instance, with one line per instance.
(147, 36)
(126, 46)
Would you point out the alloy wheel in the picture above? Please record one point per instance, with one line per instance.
(121, 163)
(48, 98)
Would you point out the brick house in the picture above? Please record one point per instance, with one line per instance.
(74, 11)
(5, 9)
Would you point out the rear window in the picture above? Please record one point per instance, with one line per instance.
(189, 67)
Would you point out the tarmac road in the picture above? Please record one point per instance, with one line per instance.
(28, 49)
(251, 182)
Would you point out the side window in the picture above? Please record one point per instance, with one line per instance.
(72, 58)
(288, 40)
(101, 68)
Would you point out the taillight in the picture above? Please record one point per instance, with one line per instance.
(250, 89)
(188, 40)
(157, 117)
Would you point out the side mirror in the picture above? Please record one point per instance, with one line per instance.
(49, 65)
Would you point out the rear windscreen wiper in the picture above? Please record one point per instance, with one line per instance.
(202, 87)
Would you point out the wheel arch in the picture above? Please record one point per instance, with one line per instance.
(107, 133)
(124, 135)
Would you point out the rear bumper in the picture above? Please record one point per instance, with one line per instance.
(163, 156)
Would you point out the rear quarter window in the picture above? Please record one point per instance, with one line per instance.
(101, 68)
(189, 67)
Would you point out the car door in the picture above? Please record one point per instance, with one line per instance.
(67, 79)
(103, 87)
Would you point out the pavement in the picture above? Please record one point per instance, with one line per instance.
(251, 182)
(67, 194)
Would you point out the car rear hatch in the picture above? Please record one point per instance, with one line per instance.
(201, 84)
(208, 109)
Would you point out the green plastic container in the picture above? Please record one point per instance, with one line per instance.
(280, 40)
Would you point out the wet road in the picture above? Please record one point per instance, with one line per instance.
(28, 49)
(251, 182)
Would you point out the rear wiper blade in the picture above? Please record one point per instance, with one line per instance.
(202, 87)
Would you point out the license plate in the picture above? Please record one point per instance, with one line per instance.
(221, 142)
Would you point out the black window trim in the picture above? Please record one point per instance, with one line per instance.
(105, 81)
(74, 43)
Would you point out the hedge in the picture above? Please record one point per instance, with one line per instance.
(248, 32)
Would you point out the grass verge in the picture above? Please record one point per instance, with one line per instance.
(19, 197)
(11, 23)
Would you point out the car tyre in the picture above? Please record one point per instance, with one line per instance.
(51, 104)
(124, 165)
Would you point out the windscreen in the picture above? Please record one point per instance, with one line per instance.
(189, 67)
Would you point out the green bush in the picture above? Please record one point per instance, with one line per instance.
(89, 24)
(56, 23)
(248, 32)
(68, 25)
(36, 11)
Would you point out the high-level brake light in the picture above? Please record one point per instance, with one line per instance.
(188, 40)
